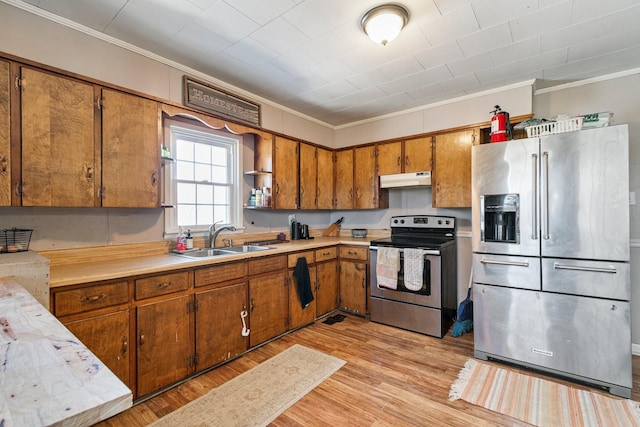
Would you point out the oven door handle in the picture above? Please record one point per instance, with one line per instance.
(426, 251)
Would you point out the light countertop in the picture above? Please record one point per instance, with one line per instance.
(79, 273)
(49, 376)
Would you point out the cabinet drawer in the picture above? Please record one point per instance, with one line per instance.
(326, 253)
(292, 259)
(262, 265)
(90, 298)
(354, 252)
(161, 285)
(220, 273)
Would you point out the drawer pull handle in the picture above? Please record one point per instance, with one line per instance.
(93, 299)
(610, 270)
(163, 285)
(141, 339)
(498, 262)
(125, 345)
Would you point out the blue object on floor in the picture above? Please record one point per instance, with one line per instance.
(464, 317)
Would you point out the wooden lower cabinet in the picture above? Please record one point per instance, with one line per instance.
(268, 306)
(353, 286)
(354, 282)
(327, 287)
(165, 344)
(219, 324)
(107, 336)
(299, 316)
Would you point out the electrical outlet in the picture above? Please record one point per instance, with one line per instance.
(632, 198)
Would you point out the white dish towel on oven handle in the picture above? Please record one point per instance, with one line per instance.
(413, 268)
(387, 266)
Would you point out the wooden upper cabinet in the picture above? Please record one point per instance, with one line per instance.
(344, 179)
(451, 176)
(285, 174)
(130, 150)
(5, 134)
(417, 155)
(58, 154)
(390, 158)
(325, 179)
(365, 178)
(308, 176)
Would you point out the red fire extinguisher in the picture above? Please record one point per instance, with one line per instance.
(500, 125)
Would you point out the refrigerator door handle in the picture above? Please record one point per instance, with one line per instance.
(534, 230)
(610, 270)
(498, 262)
(545, 196)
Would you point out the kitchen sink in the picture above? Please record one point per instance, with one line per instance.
(205, 253)
(232, 250)
(245, 248)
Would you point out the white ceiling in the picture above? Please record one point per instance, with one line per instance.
(312, 57)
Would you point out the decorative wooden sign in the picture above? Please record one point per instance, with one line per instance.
(209, 99)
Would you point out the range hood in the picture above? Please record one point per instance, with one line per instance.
(411, 179)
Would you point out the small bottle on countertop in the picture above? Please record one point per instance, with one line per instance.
(189, 240)
(180, 242)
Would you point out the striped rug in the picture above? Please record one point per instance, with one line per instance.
(540, 402)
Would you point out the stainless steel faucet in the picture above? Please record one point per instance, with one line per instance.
(213, 233)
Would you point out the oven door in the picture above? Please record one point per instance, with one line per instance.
(430, 293)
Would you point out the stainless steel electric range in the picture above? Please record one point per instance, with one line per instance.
(429, 307)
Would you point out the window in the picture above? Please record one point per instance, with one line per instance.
(203, 182)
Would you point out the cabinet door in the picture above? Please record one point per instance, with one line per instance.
(5, 134)
(269, 303)
(353, 286)
(165, 347)
(58, 158)
(130, 151)
(417, 155)
(365, 178)
(299, 316)
(452, 169)
(325, 179)
(328, 287)
(344, 179)
(219, 324)
(390, 158)
(308, 176)
(285, 174)
(107, 336)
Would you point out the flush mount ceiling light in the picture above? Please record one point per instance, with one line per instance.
(383, 23)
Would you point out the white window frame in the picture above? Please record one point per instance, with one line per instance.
(174, 129)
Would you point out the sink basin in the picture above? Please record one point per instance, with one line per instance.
(246, 248)
(210, 253)
(206, 253)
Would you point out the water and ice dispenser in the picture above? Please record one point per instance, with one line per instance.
(500, 216)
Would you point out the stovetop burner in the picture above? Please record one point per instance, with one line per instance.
(420, 231)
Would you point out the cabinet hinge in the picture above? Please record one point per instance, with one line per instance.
(192, 361)
(20, 83)
(102, 193)
(192, 306)
(286, 281)
(286, 321)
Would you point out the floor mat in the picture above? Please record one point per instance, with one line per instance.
(334, 319)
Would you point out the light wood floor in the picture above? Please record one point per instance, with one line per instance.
(392, 378)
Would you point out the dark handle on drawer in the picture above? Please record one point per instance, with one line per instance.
(163, 285)
(92, 299)
(125, 345)
(352, 253)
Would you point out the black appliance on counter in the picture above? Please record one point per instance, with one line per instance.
(429, 310)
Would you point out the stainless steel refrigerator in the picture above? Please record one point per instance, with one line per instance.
(551, 273)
